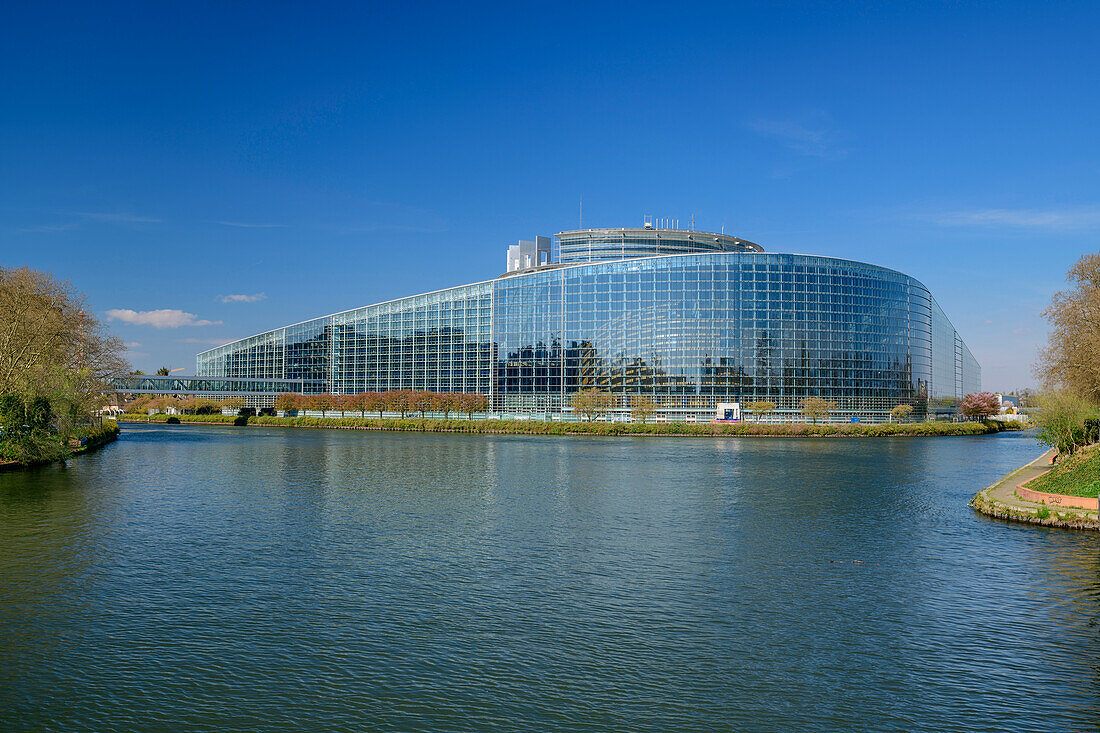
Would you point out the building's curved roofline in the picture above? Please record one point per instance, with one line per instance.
(347, 310)
(557, 266)
(600, 263)
(655, 233)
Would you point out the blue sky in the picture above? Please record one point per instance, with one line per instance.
(207, 171)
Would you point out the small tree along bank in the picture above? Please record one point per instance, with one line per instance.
(817, 407)
(979, 405)
(403, 401)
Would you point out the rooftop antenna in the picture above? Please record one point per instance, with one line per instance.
(580, 215)
(693, 221)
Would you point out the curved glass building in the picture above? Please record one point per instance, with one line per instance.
(690, 319)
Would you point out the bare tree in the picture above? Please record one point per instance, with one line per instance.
(51, 346)
(642, 408)
(591, 403)
(1072, 356)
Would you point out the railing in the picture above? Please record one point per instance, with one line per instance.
(148, 384)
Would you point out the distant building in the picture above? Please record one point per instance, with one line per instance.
(691, 319)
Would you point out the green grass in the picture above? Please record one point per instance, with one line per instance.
(1077, 475)
(541, 427)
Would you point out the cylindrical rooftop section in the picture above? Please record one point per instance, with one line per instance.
(597, 245)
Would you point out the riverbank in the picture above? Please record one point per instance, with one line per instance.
(1003, 500)
(542, 427)
(89, 442)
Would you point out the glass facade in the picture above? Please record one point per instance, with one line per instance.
(689, 331)
(439, 342)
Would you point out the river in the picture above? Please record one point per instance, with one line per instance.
(217, 578)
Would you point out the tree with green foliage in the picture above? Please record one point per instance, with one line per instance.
(901, 413)
(760, 408)
(163, 372)
(817, 407)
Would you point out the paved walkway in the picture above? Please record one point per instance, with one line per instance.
(1001, 500)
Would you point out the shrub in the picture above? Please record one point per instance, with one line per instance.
(1062, 420)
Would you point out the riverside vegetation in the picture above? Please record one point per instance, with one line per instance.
(543, 427)
(54, 358)
(1069, 414)
(1069, 367)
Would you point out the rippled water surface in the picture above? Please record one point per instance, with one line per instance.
(195, 578)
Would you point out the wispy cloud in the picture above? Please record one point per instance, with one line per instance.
(817, 141)
(117, 218)
(46, 228)
(247, 225)
(132, 345)
(406, 228)
(203, 342)
(77, 218)
(1070, 218)
(163, 318)
(242, 298)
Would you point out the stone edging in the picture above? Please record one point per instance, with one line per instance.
(1002, 500)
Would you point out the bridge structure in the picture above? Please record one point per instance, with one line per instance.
(258, 392)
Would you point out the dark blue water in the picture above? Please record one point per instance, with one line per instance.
(267, 579)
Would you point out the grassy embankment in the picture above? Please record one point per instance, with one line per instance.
(540, 427)
(1075, 475)
(34, 450)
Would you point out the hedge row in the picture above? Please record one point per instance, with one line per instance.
(540, 427)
